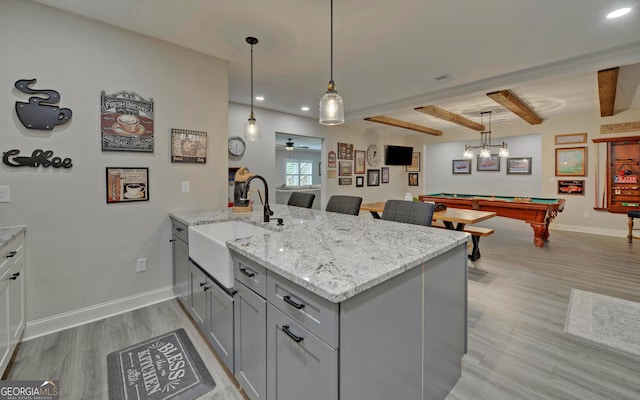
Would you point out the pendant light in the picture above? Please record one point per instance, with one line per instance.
(485, 143)
(251, 128)
(331, 104)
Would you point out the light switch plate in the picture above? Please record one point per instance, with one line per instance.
(186, 187)
(5, 194)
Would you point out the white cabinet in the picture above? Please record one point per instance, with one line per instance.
(12, 294)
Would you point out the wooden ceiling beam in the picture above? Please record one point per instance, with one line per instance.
(381, 119)
(441, 113)
(512, 103)
(607, 85)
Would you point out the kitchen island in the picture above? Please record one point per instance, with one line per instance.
(341, 307)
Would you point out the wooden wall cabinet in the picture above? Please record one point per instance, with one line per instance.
(622, 177)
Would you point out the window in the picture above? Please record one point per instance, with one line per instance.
(298, 172)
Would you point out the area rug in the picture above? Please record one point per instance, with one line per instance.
(165, 367)
(605, 320)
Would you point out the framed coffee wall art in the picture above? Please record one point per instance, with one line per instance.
(188, 146)
(373, 177)
(413, 179)
(345, 181)
(126, 122)
(345, 151)
(345, 168)
(359, 181)
(127, 184)
(384, 171)
(360, 160)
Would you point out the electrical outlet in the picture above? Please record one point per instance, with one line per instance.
(141, 265)
(5, 194)
(186, 187)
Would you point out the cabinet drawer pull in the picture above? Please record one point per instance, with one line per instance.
(179, 229)
(11, 254)
(202, 284)
(287, 299)
(14, 276)
(172, 240)
(247, 273)
(285, 329)
(206, 288)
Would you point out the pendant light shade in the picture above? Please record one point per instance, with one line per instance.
(251, 128)
(485, 143)
(331, 104)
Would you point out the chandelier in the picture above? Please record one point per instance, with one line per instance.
(485, 143)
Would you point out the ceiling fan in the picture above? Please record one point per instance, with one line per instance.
(290, 146)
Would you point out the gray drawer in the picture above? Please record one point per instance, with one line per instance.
(180, 230)
(318, 315)
(252, 274)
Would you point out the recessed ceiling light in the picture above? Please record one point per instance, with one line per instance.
(305, 108)
(619, 12)
(260, 98)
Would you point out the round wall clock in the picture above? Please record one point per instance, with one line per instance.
(373, 155)
(236, 146)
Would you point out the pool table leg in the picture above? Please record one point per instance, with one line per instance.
(540, 234)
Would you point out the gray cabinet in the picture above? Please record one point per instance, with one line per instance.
(300, 365)
(220, 324)
(250, 335)
(12, 297)
(199, 284)
(180, 262)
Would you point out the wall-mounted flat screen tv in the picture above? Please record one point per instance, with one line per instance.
(397, 155)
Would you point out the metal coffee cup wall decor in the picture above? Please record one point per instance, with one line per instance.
(40, 113)
(126, 122)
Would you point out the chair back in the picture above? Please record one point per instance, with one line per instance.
(410, 212)
(301, 199)
(344, 204)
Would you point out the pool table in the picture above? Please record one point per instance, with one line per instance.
(534, 211)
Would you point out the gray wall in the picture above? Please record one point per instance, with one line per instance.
(81, 252)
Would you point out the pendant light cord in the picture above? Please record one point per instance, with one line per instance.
(332, 41)
(252, 80)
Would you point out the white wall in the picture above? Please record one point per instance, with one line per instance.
(81, 252)
(440, 178)
(260, 155)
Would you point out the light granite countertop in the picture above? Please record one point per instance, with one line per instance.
(8, 233)
(335, 256)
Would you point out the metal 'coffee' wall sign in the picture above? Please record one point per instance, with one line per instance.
(39, 158)
(126, 122)
(40, 113)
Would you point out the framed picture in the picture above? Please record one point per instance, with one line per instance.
(127, 184)
(126, 122)
(415, 163)
(460, 167)
(331, 159)
(345, 151)
(188, 146)
(488, 164)
(359, 181)
(413, 179)
(571, 161)
(573, 138)
(385, 174)
(519, 166)
(345, 181)
(373, 177)
(345, 168)
(360, 157)
(331, 173)
(571, 187)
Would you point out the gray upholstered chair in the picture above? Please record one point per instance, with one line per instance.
(410, 212)
(632, 215)
(344, 204)
(301, 199)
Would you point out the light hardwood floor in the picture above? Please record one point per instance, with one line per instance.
(518, 298)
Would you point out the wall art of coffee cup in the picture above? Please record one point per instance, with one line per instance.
(128, 122)
(35, 114)
(134, 191)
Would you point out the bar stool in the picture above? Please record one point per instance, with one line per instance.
(632, 215)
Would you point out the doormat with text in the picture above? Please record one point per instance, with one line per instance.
(165, 367)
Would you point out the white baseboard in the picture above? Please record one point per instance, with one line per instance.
(588, 229)
(70, 319)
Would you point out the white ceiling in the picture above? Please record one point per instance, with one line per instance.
(387, 53)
